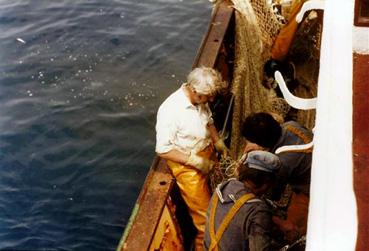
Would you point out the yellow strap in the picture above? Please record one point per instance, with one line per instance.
(306, 139)
(215, 237)
(214, 203)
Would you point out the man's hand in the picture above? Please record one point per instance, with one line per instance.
(221, 148)
(289, 229)
(253, 147)
(200, 163)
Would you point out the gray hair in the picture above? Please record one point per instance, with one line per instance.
(206, 81)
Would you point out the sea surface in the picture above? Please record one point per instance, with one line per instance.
(80, 84)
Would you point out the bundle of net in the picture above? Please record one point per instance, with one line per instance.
(223, 170)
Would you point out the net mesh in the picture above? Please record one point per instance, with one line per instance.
(267, 21)
(225, 169)
(256, 29)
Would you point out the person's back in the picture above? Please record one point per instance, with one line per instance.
(264, 131)
(252, 221)
(237, 219)
(296, 165)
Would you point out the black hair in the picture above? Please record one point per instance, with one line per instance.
(285, 68)
(270, 67)
(257, 177)
(261, 128)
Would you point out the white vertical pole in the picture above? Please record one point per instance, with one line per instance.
(332, 222)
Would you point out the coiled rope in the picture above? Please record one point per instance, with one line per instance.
(224, 170)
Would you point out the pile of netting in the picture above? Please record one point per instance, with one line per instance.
(257, 26)
(256, 29)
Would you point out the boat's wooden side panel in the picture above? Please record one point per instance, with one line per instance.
(150, 204)
(212, 43)
(361, 146)
(168, 235)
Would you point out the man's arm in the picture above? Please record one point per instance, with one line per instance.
(213, 132)
(202, 164)
(217, 140)
(253, 147)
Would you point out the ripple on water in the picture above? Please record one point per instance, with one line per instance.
(78, 109)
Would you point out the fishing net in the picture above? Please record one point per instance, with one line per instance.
(225, 169)
(256, 29)
(267, 20)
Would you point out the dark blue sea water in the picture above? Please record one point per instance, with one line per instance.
(80, 83)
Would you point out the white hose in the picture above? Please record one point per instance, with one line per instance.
(309, 5)
(292, 100)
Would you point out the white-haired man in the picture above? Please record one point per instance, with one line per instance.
(186, 137)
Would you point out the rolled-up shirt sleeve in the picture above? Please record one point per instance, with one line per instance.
(165, 131)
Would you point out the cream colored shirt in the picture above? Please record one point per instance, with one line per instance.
(181, 125)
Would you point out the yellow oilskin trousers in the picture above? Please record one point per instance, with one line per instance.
(195, 191)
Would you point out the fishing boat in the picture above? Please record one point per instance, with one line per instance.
(340, 171)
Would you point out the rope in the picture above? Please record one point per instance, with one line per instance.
(224, 170)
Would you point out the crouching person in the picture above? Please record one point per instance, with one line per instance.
(237, 218)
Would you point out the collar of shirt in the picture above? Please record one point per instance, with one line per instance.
(186, 100)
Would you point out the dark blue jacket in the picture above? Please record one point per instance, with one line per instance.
(296, 166)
